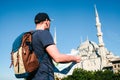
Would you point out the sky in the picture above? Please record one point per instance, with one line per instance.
(74, 21)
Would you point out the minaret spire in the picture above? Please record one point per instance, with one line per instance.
(100, 39)
(99, 32)
(81, 40)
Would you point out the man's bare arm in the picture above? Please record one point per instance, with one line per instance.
(58, 57)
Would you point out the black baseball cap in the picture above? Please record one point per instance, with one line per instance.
(41, 17)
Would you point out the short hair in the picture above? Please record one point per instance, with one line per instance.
(41, 17)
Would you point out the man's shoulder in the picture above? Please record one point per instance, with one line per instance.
(42, 31)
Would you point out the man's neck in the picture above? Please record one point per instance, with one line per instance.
(40, 27)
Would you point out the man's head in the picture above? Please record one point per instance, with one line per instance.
(40, 17)
(42, 21)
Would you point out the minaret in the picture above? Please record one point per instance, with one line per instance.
(100, 39)
(99, 33)
(55, 38)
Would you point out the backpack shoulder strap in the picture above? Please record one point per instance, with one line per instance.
(17, 43)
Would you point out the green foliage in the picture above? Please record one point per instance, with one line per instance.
(80, 74)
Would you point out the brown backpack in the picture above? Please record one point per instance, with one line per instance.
(23, 58)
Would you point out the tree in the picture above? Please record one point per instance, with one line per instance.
(80, 74)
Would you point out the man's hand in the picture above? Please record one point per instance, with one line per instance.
(78, 59)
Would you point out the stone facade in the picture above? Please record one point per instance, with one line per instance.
(93, 56)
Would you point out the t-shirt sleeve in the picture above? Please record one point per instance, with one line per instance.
(46, 38)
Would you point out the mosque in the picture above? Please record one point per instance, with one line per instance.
(93, 56)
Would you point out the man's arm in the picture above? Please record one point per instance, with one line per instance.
(58, 57)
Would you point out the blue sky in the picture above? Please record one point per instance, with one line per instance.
(74, 21)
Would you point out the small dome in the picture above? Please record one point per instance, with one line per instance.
(88, 45)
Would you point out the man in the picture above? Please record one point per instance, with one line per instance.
(46, 50)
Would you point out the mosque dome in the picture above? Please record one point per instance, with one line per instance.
(90, 45)
(88, 49)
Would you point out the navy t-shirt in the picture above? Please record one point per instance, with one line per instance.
(42, 39)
